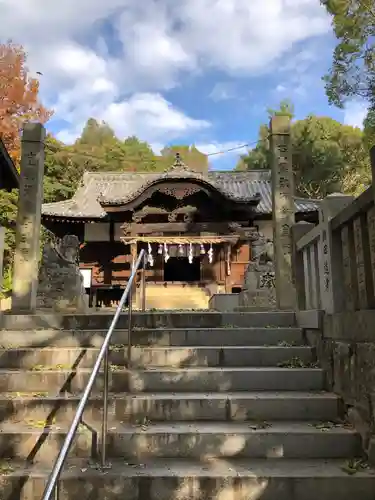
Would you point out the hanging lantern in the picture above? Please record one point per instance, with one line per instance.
(202, 249)
(160, 249)
(166, 255)
(180, 249)
(190, 253)
(150, 257)
(210, 254)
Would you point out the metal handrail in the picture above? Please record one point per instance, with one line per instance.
(53, 484)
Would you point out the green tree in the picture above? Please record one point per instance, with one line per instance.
(259, 158)
(138, 156)
(89, 152)
(8, 216)
(61, 171)
(190, 155)
(96, 134)
(286, 108)
(98, 149)
(369, 128)
(353, 68)
(327, 157)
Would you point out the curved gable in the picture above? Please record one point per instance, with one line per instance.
(180, 186)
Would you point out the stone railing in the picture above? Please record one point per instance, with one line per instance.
(334, 262)
(334, 274)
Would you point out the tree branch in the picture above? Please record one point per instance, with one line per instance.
(368, 8)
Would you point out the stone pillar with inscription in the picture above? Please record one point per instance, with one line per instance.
(331, 254)
(26, 258)
(283, 209)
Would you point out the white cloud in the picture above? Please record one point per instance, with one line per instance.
(355, 113)
(148, 116)
(223, 91)
(102, 58)
(280, 89)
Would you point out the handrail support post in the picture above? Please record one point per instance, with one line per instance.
(143, 284)
(56, 491)
(105, 408)
(130, 318)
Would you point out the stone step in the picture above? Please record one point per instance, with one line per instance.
(253, 309)
(240, 479)
(226, 379)
(69, 357)
(210, 406)
(33, 440)
(225, 336)
(219, 336)
(175, 297)
(154, 319)
(167, 379)
(230, 440)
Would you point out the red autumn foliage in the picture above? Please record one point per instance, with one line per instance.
(19, 99)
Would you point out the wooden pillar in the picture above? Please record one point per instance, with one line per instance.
(133, 253)
(227, 256)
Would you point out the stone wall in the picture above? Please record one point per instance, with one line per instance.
(334, 270)
(345, 347)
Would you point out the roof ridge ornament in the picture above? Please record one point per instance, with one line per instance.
(179, 164)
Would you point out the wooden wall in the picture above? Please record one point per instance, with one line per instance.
(111, 264)
(239, 260)
(110, 261)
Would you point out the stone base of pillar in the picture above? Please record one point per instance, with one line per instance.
(258, 298)
(259, 288)
(60, 286)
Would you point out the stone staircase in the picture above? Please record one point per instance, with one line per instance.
(216, 406)
(174, 296)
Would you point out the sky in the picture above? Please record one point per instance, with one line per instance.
(197, 72)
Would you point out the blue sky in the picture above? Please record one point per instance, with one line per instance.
(170, 72)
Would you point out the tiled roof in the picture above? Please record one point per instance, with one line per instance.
(100, 189)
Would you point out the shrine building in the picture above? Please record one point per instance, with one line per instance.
(196, 227)
(9, 177)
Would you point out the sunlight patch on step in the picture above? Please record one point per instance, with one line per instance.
(233, 445)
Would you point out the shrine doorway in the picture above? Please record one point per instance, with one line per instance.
(179, 269)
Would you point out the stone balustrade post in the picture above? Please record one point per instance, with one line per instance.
(300, 273)
(331, 254)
